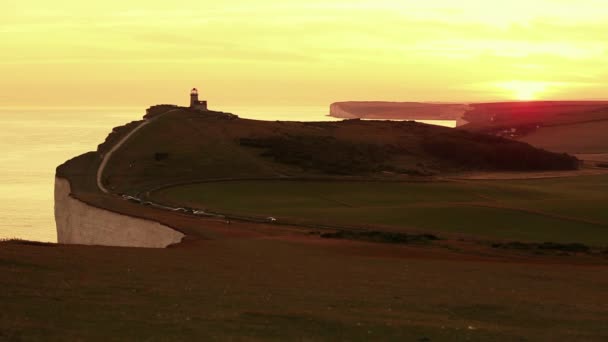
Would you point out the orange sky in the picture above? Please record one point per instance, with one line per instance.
(248, 52)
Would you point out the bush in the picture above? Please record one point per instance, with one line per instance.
(382, 237)
(495, 153)
(159, 156)
(324, 153)
(454, 148)
(546, 246)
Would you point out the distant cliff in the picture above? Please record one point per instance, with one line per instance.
(379, 110)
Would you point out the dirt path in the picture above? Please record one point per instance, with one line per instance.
(114, 148)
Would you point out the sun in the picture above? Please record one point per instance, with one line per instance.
(525, 94)
(524, 90)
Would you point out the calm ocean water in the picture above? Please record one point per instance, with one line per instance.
(36, 140)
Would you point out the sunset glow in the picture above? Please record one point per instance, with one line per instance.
(240, 52)
(525, 91)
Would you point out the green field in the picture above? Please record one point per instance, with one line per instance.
(557, 210)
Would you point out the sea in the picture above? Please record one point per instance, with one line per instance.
(34, 141)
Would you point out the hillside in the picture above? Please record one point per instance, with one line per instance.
(184, 145)
(492, 116)
(569, 127)
(576, 138)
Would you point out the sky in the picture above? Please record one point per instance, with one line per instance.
(262, 52)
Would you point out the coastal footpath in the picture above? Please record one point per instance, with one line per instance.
(87, 222)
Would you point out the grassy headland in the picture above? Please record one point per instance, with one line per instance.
(393, 280)
(188, 145)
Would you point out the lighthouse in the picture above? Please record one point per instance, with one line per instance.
(194, 101)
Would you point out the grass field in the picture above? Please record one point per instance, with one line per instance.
(292, 289)
(557, 210)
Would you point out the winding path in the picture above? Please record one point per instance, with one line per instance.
(108, 155)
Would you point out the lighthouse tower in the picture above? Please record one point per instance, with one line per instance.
(194, 101)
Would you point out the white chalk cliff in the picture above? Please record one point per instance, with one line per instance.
(83, 224)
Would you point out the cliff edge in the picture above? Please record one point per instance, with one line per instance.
(83, 224)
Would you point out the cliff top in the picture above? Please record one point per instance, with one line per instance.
(184, 145)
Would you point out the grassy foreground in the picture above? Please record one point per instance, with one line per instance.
(559, 210)
(293, 288)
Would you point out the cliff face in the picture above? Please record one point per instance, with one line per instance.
(378, 110)
(83, 224)
(337, 111)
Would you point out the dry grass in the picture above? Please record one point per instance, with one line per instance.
(296, 287)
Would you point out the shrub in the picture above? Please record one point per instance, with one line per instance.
(547, 246)
(382, 237)
(324, 153)
(490, 152)
(159, 156)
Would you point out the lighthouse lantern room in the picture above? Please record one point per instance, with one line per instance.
(194, 101)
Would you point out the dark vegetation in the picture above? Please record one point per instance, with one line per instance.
(80, 172)
(382, 237)
(160, 156)
(159, 109)
(116, 134)
(545, 246)
(325, 153)
(496, 153)
(469, 151)
(27, 243)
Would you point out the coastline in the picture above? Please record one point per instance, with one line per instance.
(80, 223)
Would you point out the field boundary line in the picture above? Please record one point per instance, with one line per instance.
(542, 213)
